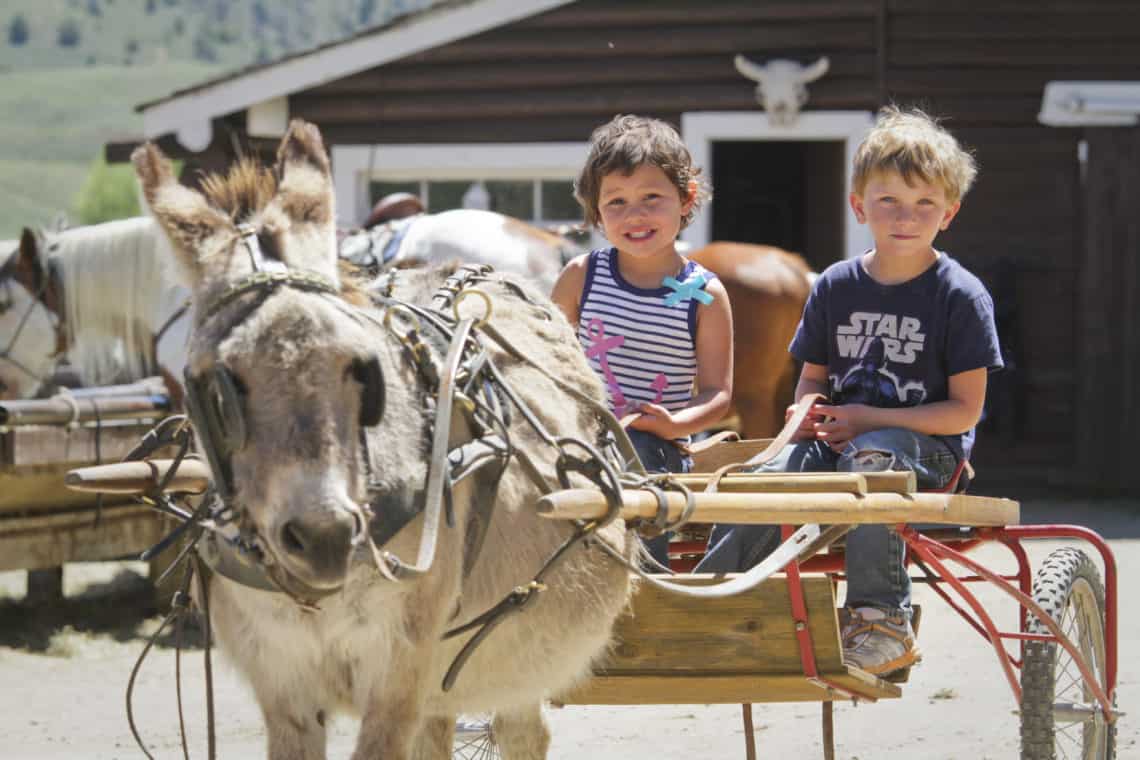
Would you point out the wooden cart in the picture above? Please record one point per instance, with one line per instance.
(43, 524)
(781, 641)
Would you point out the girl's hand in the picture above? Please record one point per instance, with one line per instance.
(655, 419)
(841, 423)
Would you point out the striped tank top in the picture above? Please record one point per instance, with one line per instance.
(641, 341)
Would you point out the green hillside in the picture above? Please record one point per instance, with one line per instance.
(55, 124)
(72, 71)
(227, 33)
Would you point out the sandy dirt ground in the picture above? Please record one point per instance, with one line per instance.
(63, 674)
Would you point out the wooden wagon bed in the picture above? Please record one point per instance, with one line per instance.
(670, 649)
(674, 650)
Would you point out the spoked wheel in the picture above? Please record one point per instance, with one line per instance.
(474, 739)
(1060, 717)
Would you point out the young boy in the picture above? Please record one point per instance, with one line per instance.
(650, 321)
(900, 339)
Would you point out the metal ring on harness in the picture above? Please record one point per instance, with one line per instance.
(412, 321)
(660, 523)
(472, 292)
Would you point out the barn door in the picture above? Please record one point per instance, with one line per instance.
(1108, 320)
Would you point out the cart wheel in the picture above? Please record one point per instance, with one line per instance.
(1060, 717)
(474, 739)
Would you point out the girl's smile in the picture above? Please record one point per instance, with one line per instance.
(641, 211)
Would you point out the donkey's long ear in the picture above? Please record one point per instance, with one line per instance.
(305, 199)
(185, 215)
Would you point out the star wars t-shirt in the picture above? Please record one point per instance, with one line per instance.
(898, 345)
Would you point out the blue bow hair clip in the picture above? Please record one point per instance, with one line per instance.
(685, 290)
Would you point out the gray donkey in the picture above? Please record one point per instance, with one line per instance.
(326, 428)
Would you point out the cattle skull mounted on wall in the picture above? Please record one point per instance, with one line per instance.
(781, 85)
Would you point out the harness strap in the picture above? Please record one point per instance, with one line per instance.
(803, 407)
(609, 421)
(805, 542)
(437, 469)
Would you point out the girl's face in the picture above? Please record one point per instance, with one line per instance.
(641, 212)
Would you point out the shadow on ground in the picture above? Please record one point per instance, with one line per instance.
(124, 609)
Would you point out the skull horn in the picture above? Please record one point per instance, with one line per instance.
(750, 69)
(814, 72)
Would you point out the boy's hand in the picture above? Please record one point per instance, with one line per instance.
(655, 419)
(840, 424)
(806, 430)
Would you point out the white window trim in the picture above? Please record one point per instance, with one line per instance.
(1090, 104)
(355, 166)
(701, 129)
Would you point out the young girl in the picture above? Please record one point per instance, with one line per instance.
(650, 321)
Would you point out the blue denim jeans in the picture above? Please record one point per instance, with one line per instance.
(876, 567)
(658, 455)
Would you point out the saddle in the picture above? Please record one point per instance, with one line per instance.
(373, 249)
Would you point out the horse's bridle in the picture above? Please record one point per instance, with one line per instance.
(39, 298)
(215, 406)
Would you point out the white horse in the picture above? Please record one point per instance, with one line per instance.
(100, 295)
(470, 235)
(97, 295)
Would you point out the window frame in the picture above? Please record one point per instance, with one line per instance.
(356, 166)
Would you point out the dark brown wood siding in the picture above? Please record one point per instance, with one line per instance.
(983, 67)
(1108, 324)
(556, 76)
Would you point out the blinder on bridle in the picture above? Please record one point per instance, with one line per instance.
(367, 372)
(216, 402)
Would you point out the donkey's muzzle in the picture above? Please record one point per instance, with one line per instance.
(318, 546)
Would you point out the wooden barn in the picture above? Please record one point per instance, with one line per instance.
(499, 97)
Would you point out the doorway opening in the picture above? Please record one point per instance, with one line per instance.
(781, 193)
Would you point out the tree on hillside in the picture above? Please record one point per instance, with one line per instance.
(110, 192)
(260, 16)
(204, 49)
(17, 30)
(67, 34)
(366, 12)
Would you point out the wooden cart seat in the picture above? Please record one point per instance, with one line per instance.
(670, 649)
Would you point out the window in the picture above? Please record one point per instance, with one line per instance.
(558, 202)
(539, 201)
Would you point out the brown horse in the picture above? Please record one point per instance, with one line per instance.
(768, 287)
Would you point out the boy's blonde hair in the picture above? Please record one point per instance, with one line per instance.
(624, 144)
(915, 145)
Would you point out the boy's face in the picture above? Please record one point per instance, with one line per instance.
(641, 213)
(904, 218)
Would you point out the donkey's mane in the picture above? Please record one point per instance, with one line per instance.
(246, 188)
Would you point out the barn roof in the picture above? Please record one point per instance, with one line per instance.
(193, 107)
